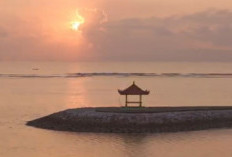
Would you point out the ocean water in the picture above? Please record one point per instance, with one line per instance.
(29, 90)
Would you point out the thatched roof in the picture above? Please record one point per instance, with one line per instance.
(133, 90)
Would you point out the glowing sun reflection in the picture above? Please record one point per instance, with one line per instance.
(77, 94)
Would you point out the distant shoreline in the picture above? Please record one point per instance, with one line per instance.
(137, 120)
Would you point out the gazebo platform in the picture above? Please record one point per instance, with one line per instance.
(157, 109)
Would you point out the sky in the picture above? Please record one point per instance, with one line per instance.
(116, 30)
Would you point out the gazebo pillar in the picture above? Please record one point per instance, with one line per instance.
(126, 101)
(140, 100)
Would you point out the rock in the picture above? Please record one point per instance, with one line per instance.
(92, 120)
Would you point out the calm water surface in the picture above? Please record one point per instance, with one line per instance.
(26, 94)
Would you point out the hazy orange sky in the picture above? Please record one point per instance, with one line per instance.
(131, 30)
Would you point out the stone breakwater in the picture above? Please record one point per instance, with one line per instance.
(91, 120)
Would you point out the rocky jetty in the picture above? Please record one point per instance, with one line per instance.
(136, 120)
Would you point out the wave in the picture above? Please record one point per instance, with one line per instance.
(106, 74)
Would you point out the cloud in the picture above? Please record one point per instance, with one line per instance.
(98, 15)
(34, 39)
(201, 36)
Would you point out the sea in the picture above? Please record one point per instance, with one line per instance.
(29, 90)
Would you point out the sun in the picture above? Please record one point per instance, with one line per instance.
(75, 25)
(77, 22)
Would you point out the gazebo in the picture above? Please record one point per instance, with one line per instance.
(133, 90)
